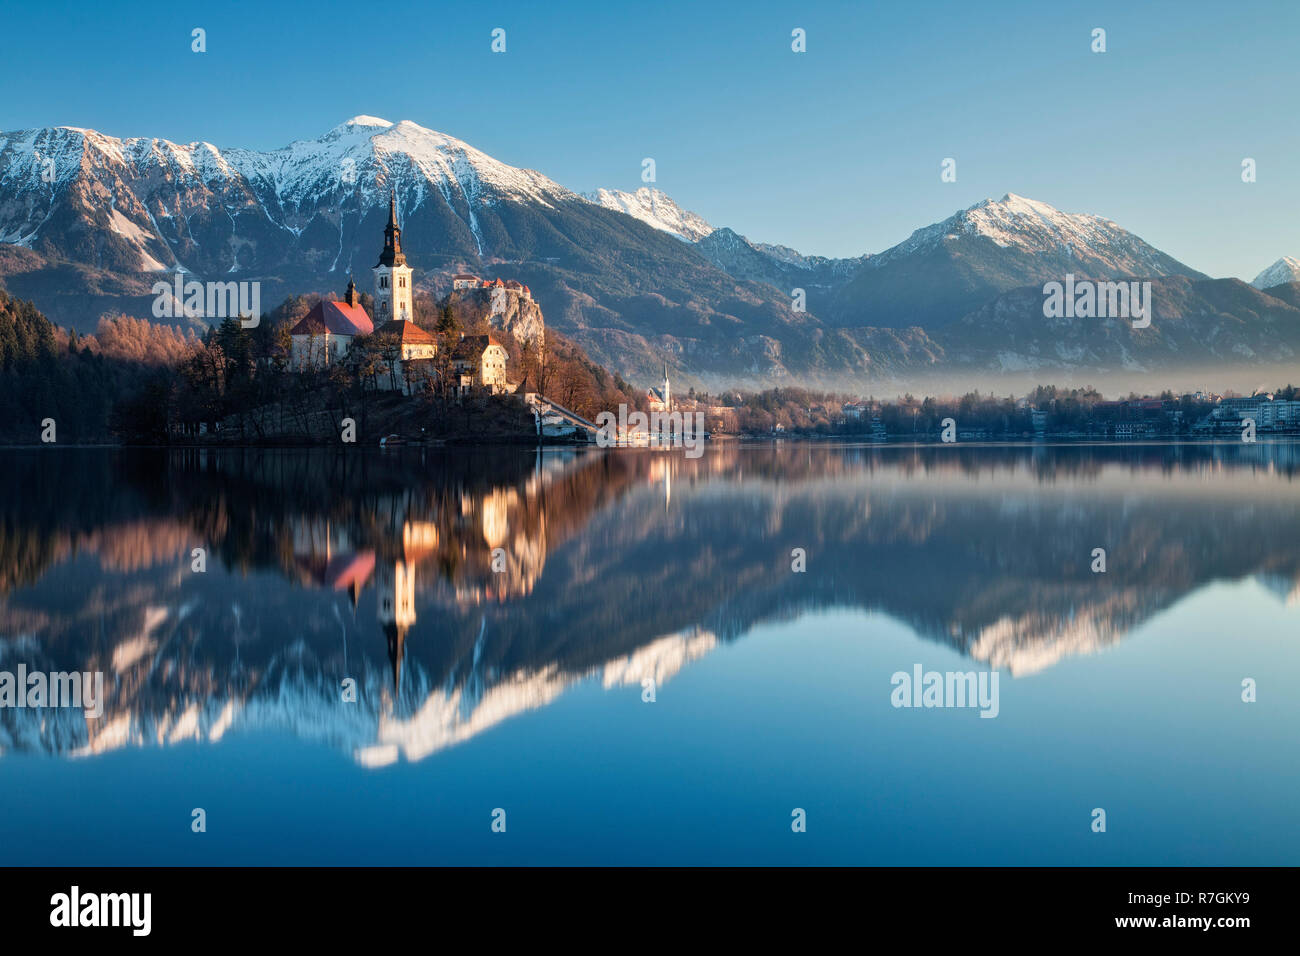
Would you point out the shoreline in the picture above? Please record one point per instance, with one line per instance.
(532, 443)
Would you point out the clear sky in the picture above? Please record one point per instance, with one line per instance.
(835, 151)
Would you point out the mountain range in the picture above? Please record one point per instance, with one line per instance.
(88, 223)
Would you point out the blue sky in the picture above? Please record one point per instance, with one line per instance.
(835, 151)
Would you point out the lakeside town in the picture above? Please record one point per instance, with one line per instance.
(480, 365)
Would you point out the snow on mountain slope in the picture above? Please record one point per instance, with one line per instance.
(1038, 229)
(143, 181)
(1286, 269)
(305, 170)
(655, 209)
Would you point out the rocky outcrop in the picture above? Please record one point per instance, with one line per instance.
(507, 309)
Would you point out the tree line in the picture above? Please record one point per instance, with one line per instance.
(138, 382)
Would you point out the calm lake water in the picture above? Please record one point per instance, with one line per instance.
(505, 613)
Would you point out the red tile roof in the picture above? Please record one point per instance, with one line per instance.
(336, 318)
(473, 346)
(407, 332)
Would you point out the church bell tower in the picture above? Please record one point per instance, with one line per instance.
(392, 274)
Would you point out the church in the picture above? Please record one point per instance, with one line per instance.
(660, 399)
(326, 335)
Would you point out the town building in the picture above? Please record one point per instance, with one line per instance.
(480, 362)
(325, 334)
(1268, 413)
(660, 399)
(1278, 414)
(409, 355)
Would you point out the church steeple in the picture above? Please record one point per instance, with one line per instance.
(352, 296)
(396, 610)
(392, 254)
(392, 275)
(395, 634)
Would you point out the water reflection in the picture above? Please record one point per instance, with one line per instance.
(461, 587)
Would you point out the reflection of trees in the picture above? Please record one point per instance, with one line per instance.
(634, 556)
(56, 502)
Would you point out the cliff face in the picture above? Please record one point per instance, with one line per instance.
(504, 309)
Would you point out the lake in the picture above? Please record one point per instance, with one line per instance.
(567, 656)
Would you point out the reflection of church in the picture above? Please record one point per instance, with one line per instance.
(324, 556)
(477, 547)
(396, 612)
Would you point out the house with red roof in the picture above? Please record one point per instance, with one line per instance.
(325, 334)
(409, 353)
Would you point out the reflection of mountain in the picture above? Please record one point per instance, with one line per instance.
(614, 567)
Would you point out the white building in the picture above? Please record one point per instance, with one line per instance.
(660, 399)
(408, 345)
(480, 361)
(325, 334)
(392, 274)
(1277, 414)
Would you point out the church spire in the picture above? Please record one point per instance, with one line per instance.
(392, 254)
(396, 636)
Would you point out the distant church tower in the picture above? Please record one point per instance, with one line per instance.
(392, 274)
(668, 401)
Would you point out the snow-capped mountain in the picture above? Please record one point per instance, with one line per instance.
(1035, 228)
(210, 210)
(933, 277)
(88, 223)
(1286, 269)
(92, 220)
(655, 209)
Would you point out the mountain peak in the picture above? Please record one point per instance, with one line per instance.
(364, 120)
(357, 128)
(654, 208)
(1023, 205)
(1286, 269)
